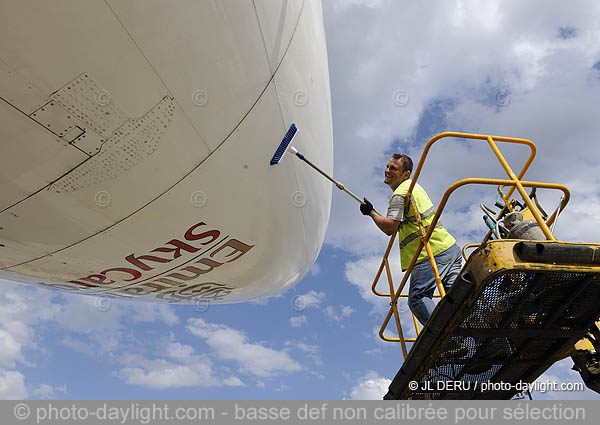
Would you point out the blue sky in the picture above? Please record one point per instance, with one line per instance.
(400, 73)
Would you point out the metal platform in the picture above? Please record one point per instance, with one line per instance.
(517, 308)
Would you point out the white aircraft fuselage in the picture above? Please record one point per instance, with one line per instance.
(135, 139)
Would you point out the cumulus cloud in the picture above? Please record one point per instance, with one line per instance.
(168, 375)
(11, 349)
(314, 299)
(80, 313)
(362, 272)
(149, 313)
(47, 392)
(252, 358)
(77, 345)
(312, 352)
(96, 325)
(417, 70)
(178, 366)
(340, 313)
(560, 373)
(307, 348)
(102, 324)
(180, 351)
(21, 309)
(12, 385)
(311, 299)
(370, 387)
(315, 269)
(297, 321)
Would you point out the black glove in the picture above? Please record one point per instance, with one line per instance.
(366, 208)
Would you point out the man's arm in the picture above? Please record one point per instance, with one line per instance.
(387, 225)
(395, 214)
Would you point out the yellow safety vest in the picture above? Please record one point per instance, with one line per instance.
(408, 232)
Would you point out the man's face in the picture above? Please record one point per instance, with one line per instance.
(394, 174)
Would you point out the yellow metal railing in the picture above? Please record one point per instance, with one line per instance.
(515, 183)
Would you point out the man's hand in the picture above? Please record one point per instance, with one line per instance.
(366, 208)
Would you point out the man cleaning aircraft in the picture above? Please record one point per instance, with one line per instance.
(447, 253)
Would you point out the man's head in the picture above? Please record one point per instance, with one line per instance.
(398, 170)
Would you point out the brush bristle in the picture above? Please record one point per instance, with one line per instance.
(285, 143)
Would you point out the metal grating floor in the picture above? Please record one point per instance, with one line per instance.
(509, 329)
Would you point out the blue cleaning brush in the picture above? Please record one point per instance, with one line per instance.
(285, 145)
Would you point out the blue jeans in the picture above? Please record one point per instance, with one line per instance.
(422, 281)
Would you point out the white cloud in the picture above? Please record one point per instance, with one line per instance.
(100, 325)
(179, 351)
(21, 309)
(11, 349)
(311, 299)
(12, 385)
(297, 321)
(373, 352)
(44, 391)
(312, 352)
(577, 221)
(47, 392)
(561, 373)
(315, 269)
(451, 77)
(307, 348)
(82, 313)
(253, 358)
(362, 272)
(370, 387)
(183, 368)
(104, 324)
(80, 346)
(169, 375)
(234, 381)
(339, 314)
(314, 299)
(147, 312)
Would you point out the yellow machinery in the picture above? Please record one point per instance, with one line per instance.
(517, 306)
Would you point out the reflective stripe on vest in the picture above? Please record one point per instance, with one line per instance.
(413, 219)
(414, 235)
(425, 215)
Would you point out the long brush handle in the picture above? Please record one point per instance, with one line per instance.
(339, 185)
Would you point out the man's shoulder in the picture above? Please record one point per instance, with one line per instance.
(402, 190)
(397, 200)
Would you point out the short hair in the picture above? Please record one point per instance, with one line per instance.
(407, 164)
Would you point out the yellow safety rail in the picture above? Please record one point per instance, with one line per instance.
(515, 183)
